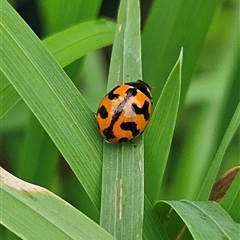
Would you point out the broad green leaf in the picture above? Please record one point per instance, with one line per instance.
(33, 212)
(204, 220)
(123, 168)
(160, 131)
(216, 163)
(53, 99)
(170, 26)
(68, 46)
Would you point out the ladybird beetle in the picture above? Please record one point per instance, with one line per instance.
(124, 112)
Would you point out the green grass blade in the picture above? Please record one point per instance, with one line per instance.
(160, 131)
(8, 95)
(66, 47)
(41, 160)
(152, 227)
(170, 26)
(59, 14)
(231, 201)
(202, 141)
(216, 163)
(79, 40)
(32, 212)
(93, 76)
(204, 220)
(123, 173)
(53, 99)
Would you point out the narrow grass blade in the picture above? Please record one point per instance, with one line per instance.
(216, 163)
(39, 164)
(231, 201)
(123, 176)
(202, 142)
(160, 131)
(170, 26)
(93, 76)
(59, 14)
(152, 227)
(53, 99)
(79, 40)
(32, 212)
(204, 220)
(68, 46)
(8, 95)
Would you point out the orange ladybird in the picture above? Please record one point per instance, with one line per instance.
(124, 112)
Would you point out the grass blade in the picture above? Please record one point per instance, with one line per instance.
(160, 131)
(123, 180)
(33, 212)
(152, 228)
(216, 163)
(204, 219)
(8, 95)
(53, 99)
(79, 40)
(68, 46)
(59, 14)
(231, 200)
(204, 129)
(170, 26)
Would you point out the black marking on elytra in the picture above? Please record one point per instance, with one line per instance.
(143, 110)
(108, 132)
(142, 86)
(103, 112)
(130, 126)
(111, 95)
(129, 93)
(124, 139)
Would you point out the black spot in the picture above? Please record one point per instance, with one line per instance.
(124, 139)
(112, 95)
(131, 92)
(108, 132)
(143, 110)
(115, 117)
(142, 86)
(130, 126)
(103, 112)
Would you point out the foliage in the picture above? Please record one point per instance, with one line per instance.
(47, 120)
